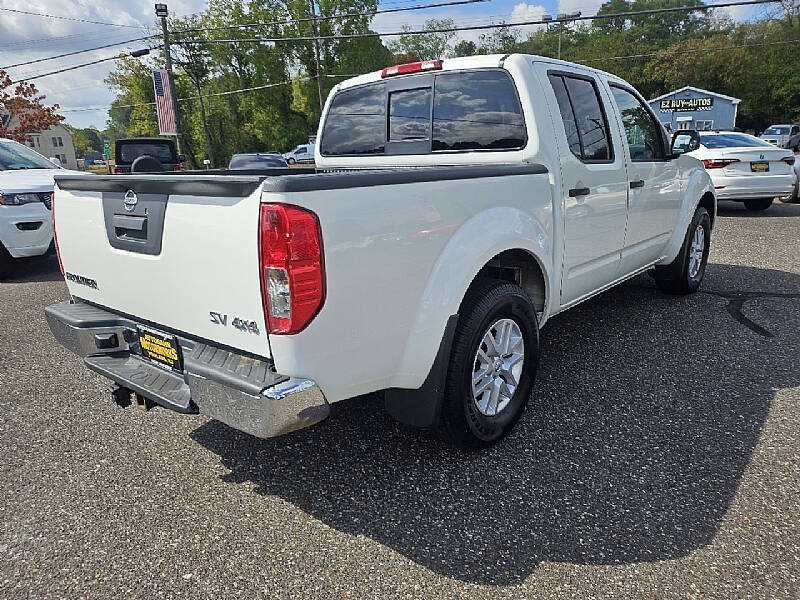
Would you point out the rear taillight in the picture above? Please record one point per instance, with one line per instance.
(789, 160)
(718, 163)
(408, 68)
(292, 272)
(55, 237)
(176, 167)
(118, 170)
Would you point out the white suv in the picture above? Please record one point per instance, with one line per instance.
(26, 193)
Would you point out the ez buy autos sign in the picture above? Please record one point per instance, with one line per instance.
(687, 104)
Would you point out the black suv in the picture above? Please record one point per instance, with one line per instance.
(146, 155)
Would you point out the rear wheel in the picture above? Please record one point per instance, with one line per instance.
(492, 365)
(758, 204)
(684, 274)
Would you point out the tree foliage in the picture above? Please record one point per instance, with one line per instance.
(22, 110)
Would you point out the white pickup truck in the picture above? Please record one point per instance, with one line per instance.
(458, 205)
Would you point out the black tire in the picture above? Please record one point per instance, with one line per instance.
(675, 277)
(758, 204)
(290, 161)
(487, 301)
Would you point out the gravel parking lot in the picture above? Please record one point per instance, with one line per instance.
(659, 459)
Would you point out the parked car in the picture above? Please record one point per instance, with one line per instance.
(26, 191)
(304, 153)
(743, 167)
(783, 136)
(257, 160)
(146, 155)
(536, 184)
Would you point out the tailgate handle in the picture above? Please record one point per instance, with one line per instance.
(130, 223)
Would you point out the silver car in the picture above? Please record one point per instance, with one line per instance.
(783, 136)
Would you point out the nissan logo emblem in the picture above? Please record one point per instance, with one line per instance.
(130, 200)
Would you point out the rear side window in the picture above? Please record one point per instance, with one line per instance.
(356, 122)
(581, 112)
(477, 110)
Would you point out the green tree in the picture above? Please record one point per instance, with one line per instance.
(427, 46)
(465, 48)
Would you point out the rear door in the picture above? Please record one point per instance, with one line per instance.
(595, 183)
(654, 193)
(179, 253)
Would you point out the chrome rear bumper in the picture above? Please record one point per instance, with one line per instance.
(240, 390)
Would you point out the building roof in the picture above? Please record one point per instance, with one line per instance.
(697, 89)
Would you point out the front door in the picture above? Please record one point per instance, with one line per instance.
(594, 185)
(654, 189)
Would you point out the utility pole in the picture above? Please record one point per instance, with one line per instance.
(162, 12)
(560, 31)
(316, 52)
(563, 18)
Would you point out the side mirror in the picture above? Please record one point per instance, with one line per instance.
(56, 161)
(181, 158)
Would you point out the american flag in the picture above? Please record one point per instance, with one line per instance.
(166, 114)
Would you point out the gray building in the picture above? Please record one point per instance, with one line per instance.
(695, 108)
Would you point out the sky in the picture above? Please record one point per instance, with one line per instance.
(27, 37)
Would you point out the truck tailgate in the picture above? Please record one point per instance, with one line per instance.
(176, 251)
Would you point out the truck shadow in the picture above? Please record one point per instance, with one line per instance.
(646, 412)
(777, 210)
(37, 269)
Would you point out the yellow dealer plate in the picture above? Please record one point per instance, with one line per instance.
(161, 348)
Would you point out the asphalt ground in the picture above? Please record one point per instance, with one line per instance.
(659, 458)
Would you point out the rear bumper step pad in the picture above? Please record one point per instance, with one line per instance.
(240, 390)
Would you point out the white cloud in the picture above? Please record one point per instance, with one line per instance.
(527, 12)
(28, 37)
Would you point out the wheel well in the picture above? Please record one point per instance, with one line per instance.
(520, 267)
(707, 202)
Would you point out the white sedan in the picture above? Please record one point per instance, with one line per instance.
(742, 167)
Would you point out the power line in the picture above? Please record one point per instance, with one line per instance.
(331, 17)
(455, 29)
(73, 67)
(62, 17)
(198, 96)
(38, 60)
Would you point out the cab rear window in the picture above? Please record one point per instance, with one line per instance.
(455, 111)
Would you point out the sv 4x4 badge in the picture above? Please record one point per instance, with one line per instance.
(237, 322)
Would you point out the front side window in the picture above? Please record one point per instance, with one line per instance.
(477, 110)
(641, 130)
(356, 122)
(584, 122)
